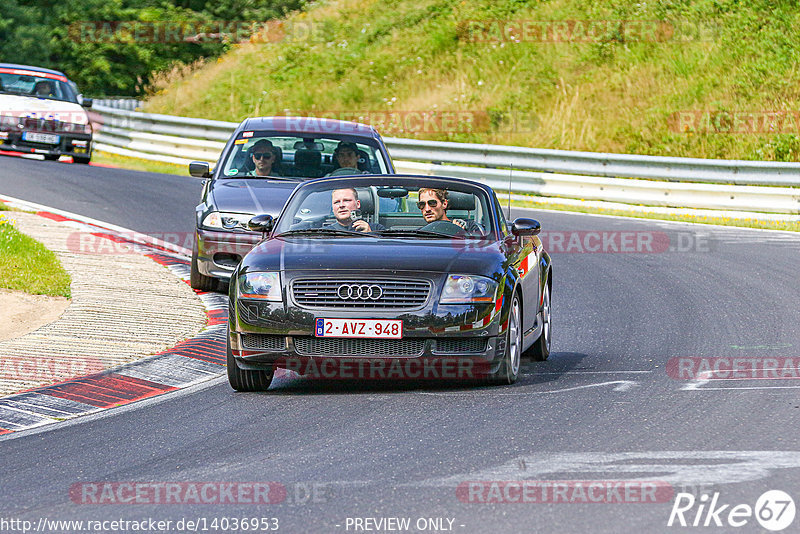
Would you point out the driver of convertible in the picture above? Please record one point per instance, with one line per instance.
(345, 203)
(433, 205)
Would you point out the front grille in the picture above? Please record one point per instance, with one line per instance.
(460, 345)
(316, 346)
(263, 342)
(43, 125)
(395, 294)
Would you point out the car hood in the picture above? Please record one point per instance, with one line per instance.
(251, 195)
(376, 254)
(29, 106)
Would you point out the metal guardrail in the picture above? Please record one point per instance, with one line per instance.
(130, 104)
(662, 181)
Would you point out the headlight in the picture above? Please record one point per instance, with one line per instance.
(227, 221)
(467, 289)
(265, 286)
(212, 220)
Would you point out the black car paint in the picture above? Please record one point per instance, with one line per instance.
(510, 260)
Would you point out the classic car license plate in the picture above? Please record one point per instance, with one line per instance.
(368, 328)
(36, 137)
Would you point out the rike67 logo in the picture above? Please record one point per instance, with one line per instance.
(774, 510)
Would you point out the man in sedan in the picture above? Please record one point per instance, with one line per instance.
(345, 202)
(263, 155)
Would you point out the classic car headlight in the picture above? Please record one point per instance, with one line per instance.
(466, 289)
(264, 286)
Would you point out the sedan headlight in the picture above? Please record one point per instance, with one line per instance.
(264, 286)
(227, 221)
(468, 289)
(212, 220)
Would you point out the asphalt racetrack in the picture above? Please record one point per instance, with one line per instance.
(614, 433)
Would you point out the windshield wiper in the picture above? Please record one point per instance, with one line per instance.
(322, 231)
(412, 233)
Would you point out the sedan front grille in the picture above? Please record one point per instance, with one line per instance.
(361, 294)
(316, 346)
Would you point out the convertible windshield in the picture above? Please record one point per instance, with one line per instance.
(302, 156)
(390, 208)
(36, 84)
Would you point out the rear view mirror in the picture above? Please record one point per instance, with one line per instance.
(200, 169)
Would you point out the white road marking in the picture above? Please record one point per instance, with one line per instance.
(680, 467)
(623, 385)
(567, 373)
(699, 383)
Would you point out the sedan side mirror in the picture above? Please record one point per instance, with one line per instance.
(87, 102)
(261, 223)
(200, 169)
(525, 227)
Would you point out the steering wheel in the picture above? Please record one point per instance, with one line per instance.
(443, 227)
(342, 171)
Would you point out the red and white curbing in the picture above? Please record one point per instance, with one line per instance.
(190, 362)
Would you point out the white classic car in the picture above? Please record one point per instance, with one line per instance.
(41, 112)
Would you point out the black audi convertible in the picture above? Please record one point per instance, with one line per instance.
(390, 277)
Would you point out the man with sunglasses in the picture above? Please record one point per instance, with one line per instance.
(433, 205)
(262, 153)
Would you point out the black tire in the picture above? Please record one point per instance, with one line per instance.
(198, 280)
(51, 157)
(508, 371)
(540, 350)
(244, 379)
(82, 161)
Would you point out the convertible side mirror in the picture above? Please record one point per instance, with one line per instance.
(200, 169)
(525, 227)
(262, 223)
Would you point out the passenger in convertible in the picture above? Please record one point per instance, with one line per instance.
(433, 204)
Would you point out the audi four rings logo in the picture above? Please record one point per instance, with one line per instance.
(359, 292)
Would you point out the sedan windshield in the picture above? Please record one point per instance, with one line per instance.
(35, 84)
(388, 208)
(301, 156)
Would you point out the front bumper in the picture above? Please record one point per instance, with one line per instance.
(469, 338)
(219, 252)
(69, 144)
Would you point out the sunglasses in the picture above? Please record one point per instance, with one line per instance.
(262, 155)
(432, 203)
